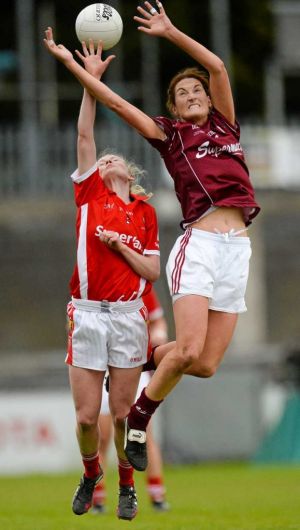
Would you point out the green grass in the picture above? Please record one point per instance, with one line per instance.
(202, 497)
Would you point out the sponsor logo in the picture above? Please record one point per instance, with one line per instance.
(127, 239)
(141, 410)
(206, 149)
(107, 12)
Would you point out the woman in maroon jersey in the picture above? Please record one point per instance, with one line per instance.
(208, 267)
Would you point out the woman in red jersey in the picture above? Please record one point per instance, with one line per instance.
(117, 258)
(208, 267)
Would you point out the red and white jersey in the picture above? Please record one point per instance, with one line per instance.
(152, 303)
(102, 273)
(207, 165)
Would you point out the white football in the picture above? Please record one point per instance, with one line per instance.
(99, 22)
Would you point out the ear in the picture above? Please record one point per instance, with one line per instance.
(174, 111)
(209, 102)
(131, 178)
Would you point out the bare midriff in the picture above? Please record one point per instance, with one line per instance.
(222, 220)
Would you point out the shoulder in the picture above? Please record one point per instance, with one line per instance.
(217, 118)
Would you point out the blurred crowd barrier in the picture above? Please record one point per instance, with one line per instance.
(37, 161)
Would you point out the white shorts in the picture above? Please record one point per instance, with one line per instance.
(103, 334)
(212, 265)
(144, 380)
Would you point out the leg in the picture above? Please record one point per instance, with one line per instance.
(123, 387)
(220, 330)
(122, 392)
(86, 388)
(190, 313)
(106, 432)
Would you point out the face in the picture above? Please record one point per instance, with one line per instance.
(191, 101)
(112, 167)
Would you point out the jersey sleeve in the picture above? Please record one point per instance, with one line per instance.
(87, 187)
(152, 235)
(166, 125)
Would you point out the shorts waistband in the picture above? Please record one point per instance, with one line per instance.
(108, 307)
(232, 236)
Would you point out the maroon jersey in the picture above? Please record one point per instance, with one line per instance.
(207, 165)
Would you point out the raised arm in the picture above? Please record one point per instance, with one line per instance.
(156, 23)
(86, 147)
(128, 112)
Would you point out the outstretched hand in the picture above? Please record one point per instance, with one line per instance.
(154, 22)
(92, 59)
(59, 51)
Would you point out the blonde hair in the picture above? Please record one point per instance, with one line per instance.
(193, 72)
(134, 170)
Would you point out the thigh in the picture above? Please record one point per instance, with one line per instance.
(191, 319)
(86, 386)
(220, 330)
(123, 385)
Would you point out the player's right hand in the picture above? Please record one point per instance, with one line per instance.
(92, 59)
(59, 51)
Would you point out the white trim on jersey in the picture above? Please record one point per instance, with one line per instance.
(80, 178)
(81, 252)
(142, 287)
(151, 252)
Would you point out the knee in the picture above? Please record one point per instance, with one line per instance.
(86, 422)
(207, 370)
(186, 357)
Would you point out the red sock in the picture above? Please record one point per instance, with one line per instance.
(125, 473)
(141, 412)
(91, 465)
(156, 489)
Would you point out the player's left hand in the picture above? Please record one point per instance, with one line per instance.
(59, 51)
(111, 239)
(92, 59)
(155, 21)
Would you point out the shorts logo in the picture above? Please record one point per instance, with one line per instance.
(136, 359)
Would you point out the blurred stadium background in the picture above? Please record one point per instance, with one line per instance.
(250, 409)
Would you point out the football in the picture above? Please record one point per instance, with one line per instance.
(99, 22)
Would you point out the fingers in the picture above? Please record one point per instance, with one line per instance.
(109, 59)
(82, 57)
(49, 37)
(160, 6)
(145, 13)
(109, 237)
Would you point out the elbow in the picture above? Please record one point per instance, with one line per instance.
(154, 275)
(220, 68)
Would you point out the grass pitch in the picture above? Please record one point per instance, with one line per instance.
(202, 497)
